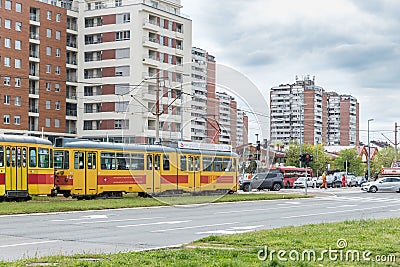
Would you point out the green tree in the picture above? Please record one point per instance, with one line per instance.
(320, 158)
(354, 161)
(383, 158)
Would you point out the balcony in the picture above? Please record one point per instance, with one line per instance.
(71, 78)
(71, 61)
(34, 35)
(34, 17)
(34, 54)
(34, 109)
(71, 44)
(71, 113)
(33, 91)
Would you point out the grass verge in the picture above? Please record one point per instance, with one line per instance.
(380, 237)
(59, 204)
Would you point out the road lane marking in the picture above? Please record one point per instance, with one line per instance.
(264, 209)
(155, 223)
(120, 220)
(232, 230)
(28, 244)
(333, 212)
(341, 206)
(192, 227)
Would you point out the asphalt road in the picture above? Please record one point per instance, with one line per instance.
(111, 231)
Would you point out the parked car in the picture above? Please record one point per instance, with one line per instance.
(300, 182)
(386, 184)
(265, 180)
(331, 181)
(351, 180)
(361, 180)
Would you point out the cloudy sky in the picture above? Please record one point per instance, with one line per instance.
(350, 46)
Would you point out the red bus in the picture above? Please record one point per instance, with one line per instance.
(290, 174)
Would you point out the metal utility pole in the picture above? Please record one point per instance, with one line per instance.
(369, 152)
(395, 143)
(158, 111)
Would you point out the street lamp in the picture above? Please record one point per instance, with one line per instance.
(369, 152)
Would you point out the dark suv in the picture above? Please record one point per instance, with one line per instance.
(265, 180)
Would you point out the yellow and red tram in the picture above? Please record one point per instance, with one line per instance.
(26, 167)
(87, 169)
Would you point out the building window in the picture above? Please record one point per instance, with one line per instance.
(48, 68)
(123, 35)
(7, 61)
(17, 82)
(58, 35)
(48, 104)
(58, 17)
(6, 119)
(18, 26)
(48, 86)
(7, 100)
(57, 52)
(57, 105)
(48, 122)
(57, 87)
(58, 70)
(7, 42)
(7, 80)
(49, 15)
(48, 33)
(7, 4)
(18, 7)
(17, 63)
(7, 24)
(17, 101)
(57, 123)
(48, 50)
(17, 120)
(118, 2)
(18, 45)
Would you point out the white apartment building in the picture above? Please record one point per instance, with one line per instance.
(241, 134)
(224, 118)
(129, 50)
(199, 95)
(298, 113)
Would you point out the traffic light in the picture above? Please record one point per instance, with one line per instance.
(306, 158)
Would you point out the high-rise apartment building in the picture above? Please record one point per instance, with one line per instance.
(343, 118)
(104, 62)
(199, 95)
(303, 112)
(132, 57)
(33, 68)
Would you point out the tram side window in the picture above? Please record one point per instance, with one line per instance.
(190, 164)
(196, 163)
(1, 156)
(166, 162)
(123, 161)
(149, 162)
(207, 164)
(234, 167)
(79, 159)
(24, 157)
(43, 157)
(137, 162)
(32, 157)
(183, 163)
(58, 159)
(157, 162)
(218, 164)
(13, 157)
(107, 161)
(91, 161)
(226, 165)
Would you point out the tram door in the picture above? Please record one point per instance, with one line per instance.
(153, 170)
(194, 173)
(85, 173)
(16, 169)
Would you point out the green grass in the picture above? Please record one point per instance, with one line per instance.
(59, 204)
(381, 237)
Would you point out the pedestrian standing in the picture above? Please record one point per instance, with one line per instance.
(324, 184)
(344, 180)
